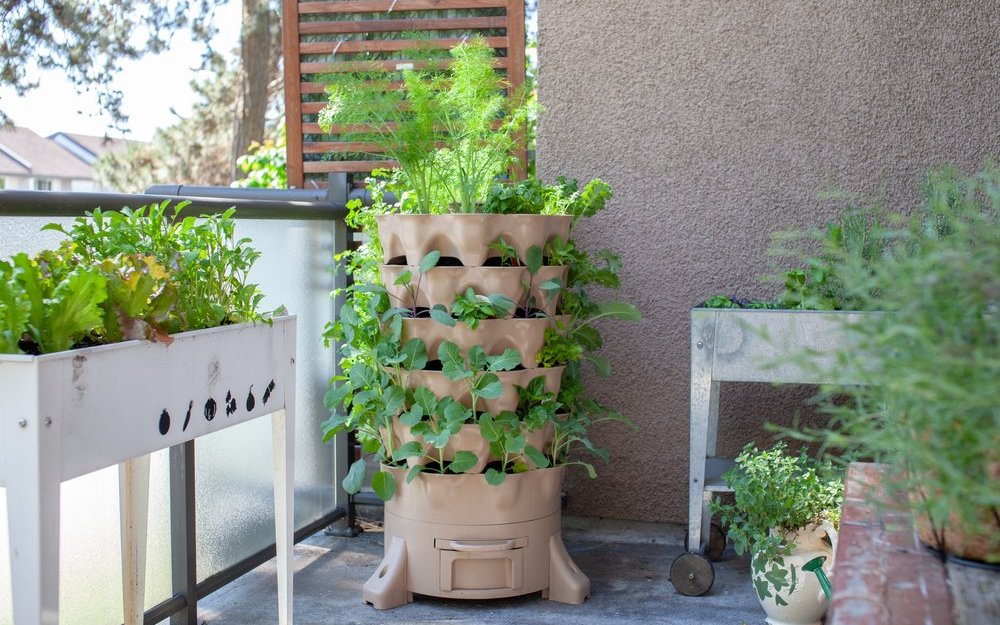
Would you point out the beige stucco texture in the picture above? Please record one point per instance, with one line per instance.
(718, 123)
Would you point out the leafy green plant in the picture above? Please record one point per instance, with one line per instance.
(127, 275)
(203, 254)
(932, 358)
(776, 493)
(471, 308)
(405, 279)
(532, 197)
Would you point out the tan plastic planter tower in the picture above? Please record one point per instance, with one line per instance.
(457, 536)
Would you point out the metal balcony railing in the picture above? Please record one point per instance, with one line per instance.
(320, 213)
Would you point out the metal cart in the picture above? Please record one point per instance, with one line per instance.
(736, 345)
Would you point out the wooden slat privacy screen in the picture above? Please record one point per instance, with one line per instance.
(326, 37)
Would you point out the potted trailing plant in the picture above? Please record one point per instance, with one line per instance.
(139, 332)
(930, 405)
(785, 513)
(463, 337)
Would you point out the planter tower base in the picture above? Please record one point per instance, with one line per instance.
(509, 545)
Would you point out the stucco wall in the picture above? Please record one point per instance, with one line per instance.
(718, 122)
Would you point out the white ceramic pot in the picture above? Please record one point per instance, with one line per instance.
(802, 601)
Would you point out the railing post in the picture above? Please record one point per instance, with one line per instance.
(337, 193)
(183, 553)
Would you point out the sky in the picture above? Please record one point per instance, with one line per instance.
(151, 87)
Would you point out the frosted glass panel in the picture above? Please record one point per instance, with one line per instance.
(233, 476)
(90, 589)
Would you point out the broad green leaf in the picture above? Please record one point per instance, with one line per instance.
(333, 426)
(533, 259)
(502, 303)
(394, 398)
(14, 312)
(489, 429)
(463, 461)
(477, 358)
(355, 478)
(395, 311)
(516, 444)
(414, 472)
(403, 279)
(541, 460)
(384, 485)
(508, 360)
(333, 397)
(429, 261)
(73, 310)
(455, 412)
(412, 416)
(414, 354)
(494, 477)
(549, 286)
(440, 314)
(413, 449)
(488, 386)
(452, 364)
(426, 399)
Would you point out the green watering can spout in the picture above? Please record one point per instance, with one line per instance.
(816, 566)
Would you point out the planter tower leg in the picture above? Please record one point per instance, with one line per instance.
(386, 588)
(567, 584)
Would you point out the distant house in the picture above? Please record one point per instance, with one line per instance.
(60, 162)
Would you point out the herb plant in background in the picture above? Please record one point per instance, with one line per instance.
(931, 408)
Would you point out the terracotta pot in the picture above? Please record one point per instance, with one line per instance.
(469, 439)
(466, 237)
(527, 336)
(458, 390)
(440, 285)
(983, 546)
(806, 602)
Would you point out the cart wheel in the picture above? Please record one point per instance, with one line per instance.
(692, 574)
(716, 542)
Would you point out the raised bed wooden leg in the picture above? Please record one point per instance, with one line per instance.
(133, 501)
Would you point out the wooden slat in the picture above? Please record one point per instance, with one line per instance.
(328, 167)
(382, 6)
(322, 147)
(293, 96)
(388, 26)
(320, 87)
(390, 45)
(516, 76)
(296, 75)
(362, 66)
(337, 129)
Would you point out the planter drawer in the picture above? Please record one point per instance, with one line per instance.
(486, 565)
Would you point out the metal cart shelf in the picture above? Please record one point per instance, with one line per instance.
(736, 345)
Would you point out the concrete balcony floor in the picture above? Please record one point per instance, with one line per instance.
(628, 564)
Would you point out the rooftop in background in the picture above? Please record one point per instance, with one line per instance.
(87, 147)
(61, 162)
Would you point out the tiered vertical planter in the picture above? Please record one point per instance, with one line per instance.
(457, 536)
